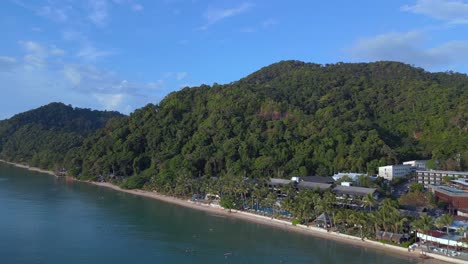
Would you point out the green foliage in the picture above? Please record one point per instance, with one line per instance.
(288, 119)
(416, 198)
(416, 187)
(295, 222)
(134, 182)
(46, 136)
(408, 243)
(227, 202)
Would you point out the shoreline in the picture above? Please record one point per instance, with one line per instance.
(265, 220)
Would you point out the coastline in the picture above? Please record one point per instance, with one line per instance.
(264, 220)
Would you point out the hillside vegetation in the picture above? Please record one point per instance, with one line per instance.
(42, 137)
(290, 118)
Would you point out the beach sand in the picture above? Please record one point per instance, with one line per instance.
(317, 232)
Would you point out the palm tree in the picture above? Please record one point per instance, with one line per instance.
(369, 201)
(398, 223)
(423, 224)
(444, 221)
(338, 217)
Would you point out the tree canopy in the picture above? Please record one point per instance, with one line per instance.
(288, 119)
(43, 137)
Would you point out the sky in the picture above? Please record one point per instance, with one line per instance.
(123, 54)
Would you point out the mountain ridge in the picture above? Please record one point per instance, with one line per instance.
(289, 118)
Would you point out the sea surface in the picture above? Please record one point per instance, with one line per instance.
(47, 220)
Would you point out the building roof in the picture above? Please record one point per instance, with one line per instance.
(435, 233)
(412, 161)
(313, 185)
(452, 192)
(317, 179)
(464, 173)
(323, 218)
(352, 190)
(463, 182)
(352, 175)
(277, 181)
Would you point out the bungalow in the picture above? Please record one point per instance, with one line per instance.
(354, 192)
(313, 186)
(317, 179)
(276, 182)
(390, 237)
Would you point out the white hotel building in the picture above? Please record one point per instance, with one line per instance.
(395, 171)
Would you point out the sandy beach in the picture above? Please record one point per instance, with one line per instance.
(259, 219)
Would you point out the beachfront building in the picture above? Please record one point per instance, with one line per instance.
(391, 172)
(438, 242)
(351, 195)
(417, 164)
(353, 175)
(461, 184)
(315, 179)
(313, 186)
(435, 177)
(455, 199)
(276, 183)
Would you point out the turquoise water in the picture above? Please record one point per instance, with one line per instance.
(45, 220)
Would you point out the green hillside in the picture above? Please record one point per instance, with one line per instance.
(290, 118)
(42, 137)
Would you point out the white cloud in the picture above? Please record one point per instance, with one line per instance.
(409, 47)
(266, 24)
(53, 13)
(98, 12)
(110, 101)
(181, 75)
(89, 53)
(56, 51)
(159, 84)
(214, 15)
(453, 11)
(35, 54)
(33, 47)
(72, 75)
(7, 63)
(137, 7)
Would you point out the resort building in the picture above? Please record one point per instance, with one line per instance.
(276, 182)
(352, 196)
(353, 175)
(395, 171)
(461, 184)
(316, 179)
(313, 186)
(435, 177)
(454, 198)
(417, 164)
(440, 241)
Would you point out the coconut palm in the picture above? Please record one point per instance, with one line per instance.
(398, 223)
(369, 201)
(444, 221)
(423, 224)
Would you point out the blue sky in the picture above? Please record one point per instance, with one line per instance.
(122, 54)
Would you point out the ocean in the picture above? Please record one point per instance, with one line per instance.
(48, 220)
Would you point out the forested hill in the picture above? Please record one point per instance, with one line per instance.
(290, 118)
(43, 136)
